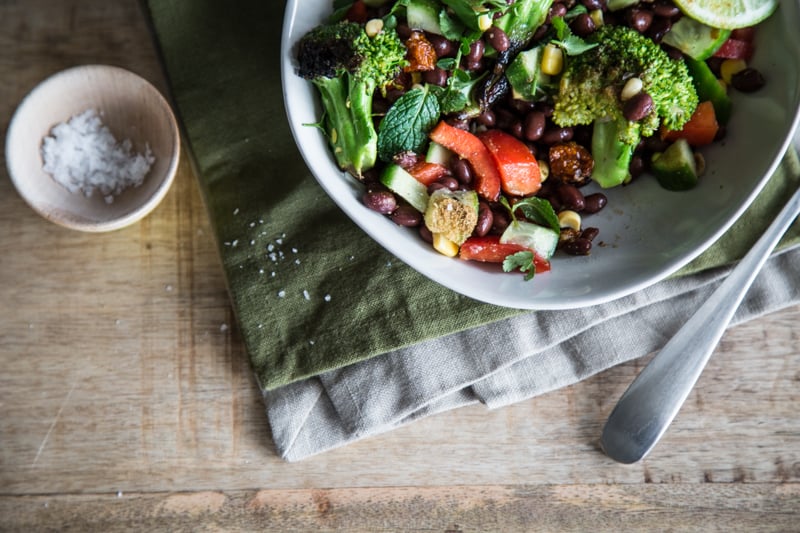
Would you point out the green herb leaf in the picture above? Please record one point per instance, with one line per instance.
(523, 261)
(539, 211)
(570, 43)
(407, 123)
(451, 28)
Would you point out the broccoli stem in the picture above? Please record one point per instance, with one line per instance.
(612, 157)
(348, 121)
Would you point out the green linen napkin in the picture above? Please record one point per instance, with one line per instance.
(310, 290)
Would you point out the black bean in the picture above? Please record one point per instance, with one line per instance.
(593, 5)
(659, 28)
(474, 66)
(485, 220)
(498, 39)
(665, 9)
(437, 76)
(589, 233)
(583, 25)
(636, 166)
(406, 159)
(592, 203)
(640, 19)
(442, 46)
(556, 10)
(638, 106)
(487, 118)
(556, 135)
(476, 50)
(450, 183)
(748, 80)
(571, 198)
(500, 220)
(425, 233)
(383, 202)
(462, 170)
(407, 216)
(517, 129)
(435, 186)
(534, 125)
(579, 246)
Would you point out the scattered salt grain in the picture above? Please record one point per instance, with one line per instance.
(306, 295)
(168, 288)
(327, 298)
(281, 294)
(236, 211)
(82, 155)
(223, 328)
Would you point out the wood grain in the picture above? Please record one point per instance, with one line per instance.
(126, 400)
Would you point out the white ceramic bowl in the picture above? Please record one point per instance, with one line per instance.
(130, 107)
(650, 232)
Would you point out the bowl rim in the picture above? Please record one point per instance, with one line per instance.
(129, 217)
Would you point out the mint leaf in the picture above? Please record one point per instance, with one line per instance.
(407, 123)
(569, 42)
(523, 261)
(539, 211)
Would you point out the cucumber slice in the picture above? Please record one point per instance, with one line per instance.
(541, 240)
(406, 186)
(438, 154)
(525, 74)
(675, 168)
(423, 15)
(616, 5)
(695, 39)
(709, 88)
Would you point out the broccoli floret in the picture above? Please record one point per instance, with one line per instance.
(592, 81)
(590, 89)
(347, 66)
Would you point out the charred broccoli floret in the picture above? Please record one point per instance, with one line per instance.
(347, 66)
(590, 92)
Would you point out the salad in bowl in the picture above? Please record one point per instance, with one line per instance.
(541, 154)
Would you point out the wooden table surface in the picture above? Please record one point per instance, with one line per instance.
(126, 400)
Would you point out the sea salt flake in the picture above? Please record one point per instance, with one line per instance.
(306, 295)
(327, 298)
(281, 294)
(82, 155)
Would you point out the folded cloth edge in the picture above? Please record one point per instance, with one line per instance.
(334, 419)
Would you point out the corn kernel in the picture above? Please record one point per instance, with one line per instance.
(552, 60)
(444, 246)
(729, 67)
(484, 21)
(569, 219)
(373, 27)
(597, 17)
(631, 88)
(544, 169)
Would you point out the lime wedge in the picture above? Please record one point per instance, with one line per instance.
(728, 14)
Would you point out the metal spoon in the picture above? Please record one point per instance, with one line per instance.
(646, 409)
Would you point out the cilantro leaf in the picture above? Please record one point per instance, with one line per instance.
(539, 211)
(523, 261)
(407, 123)
(571, 43)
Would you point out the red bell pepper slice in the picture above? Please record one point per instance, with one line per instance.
(519, 170)
(701, 129)
(735, 49)
(427, 173)
(469, 147)
(489, 249)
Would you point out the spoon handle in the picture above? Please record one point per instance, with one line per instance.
(646, 409)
